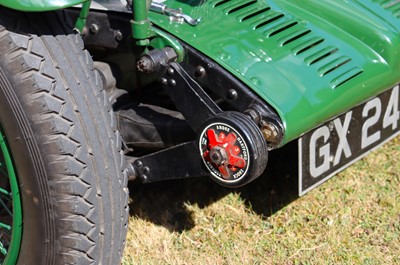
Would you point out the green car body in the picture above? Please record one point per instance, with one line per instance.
(39, 5)
(310, 60)
(195, 88)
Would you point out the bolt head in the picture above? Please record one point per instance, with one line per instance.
(270, 132)
(218, 155)
(94, 28)
(215, 156)
(254, 115)
(118, 36)
(145, 65)
(267, 134)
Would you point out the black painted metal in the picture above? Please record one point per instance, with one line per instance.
(184, 83)
(197, 70)
(248, 139)
(195, 86)
(190, 99)
(106, 29)
(239, 97)
(181, 161)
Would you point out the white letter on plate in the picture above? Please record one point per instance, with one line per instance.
(367, 139)
(324, 152)
(392, 113)
(343, 145)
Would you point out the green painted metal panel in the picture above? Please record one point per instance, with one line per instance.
(311, 60)
(39, 5)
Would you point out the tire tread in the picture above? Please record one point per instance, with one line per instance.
(75, 127)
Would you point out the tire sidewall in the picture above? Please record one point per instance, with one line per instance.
(22, 144)
(64, 141)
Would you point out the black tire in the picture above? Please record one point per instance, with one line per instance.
(63, 138)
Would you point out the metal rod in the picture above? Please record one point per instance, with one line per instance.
(81, 20)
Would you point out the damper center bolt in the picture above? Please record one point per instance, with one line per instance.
(218, 155)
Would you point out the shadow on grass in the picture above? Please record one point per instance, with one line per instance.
(163, 203)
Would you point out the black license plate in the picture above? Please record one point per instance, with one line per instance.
(330, 148)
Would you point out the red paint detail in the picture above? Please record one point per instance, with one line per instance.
(224, 171)
(231, 138)
(237, 161)
(234, 169)
(228, 143)
(236, 150)
(212, 138)
(221, 136)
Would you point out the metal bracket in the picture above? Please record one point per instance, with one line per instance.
(161, 40)
(147, 35)
(140, 23)
(189, 97)
(181, 161)
(233, 92)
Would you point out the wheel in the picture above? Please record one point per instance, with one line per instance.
(63, 194)
(233, 149)
(10, 206)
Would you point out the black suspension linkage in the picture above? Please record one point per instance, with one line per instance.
(188, 96)
(178, 162)
(184, 160)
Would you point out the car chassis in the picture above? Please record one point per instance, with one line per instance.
(179, 89)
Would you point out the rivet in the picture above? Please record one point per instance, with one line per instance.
(164, 81)
(232, 94)
(146, 170)
(170, 71)
(200, 71)
(172, 82)
(144, 178)
(139, 163)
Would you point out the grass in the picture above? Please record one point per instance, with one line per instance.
(354, 218)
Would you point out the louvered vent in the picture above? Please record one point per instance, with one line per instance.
(291, 34)
(391, 5)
